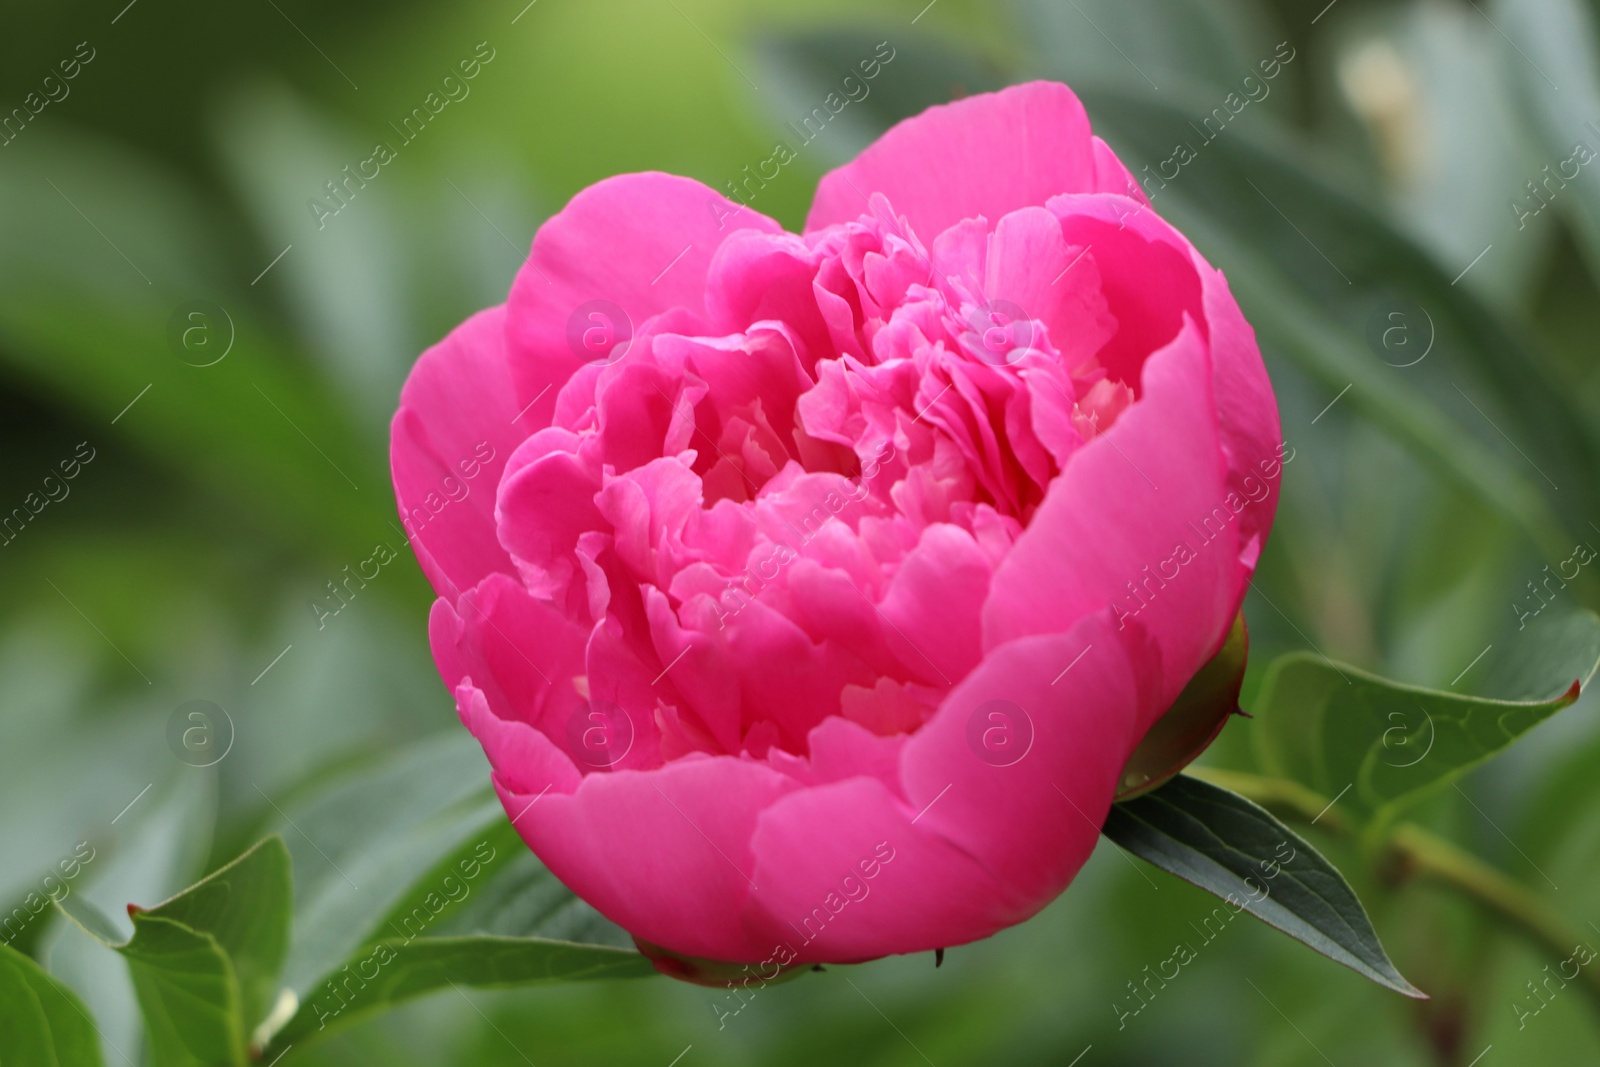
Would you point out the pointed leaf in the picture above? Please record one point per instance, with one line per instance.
(1227, 845)
(204, 963)
(365, 841)
(490, 914)
(188, 995)
(1373, 743)
(245, 906)
(394, 970)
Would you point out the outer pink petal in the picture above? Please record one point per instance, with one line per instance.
(455, 408)
(1113, 521)
(640, 241)
(986, 155)
(998, 842)
(1247, 410)
(826, 894)
(1035, 821)
(1153, 276)
(1149, 276)
(665, 853)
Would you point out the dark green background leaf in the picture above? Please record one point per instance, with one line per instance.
(1229, 846)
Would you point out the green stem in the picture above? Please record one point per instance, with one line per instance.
(1426, 855)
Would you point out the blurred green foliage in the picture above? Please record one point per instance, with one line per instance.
(220, 500)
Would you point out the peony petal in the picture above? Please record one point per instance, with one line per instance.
(995, 153)
(1140, 520)
(448, 444)
(1147, 276)
(1247, 409)
(1020, 764)
(522, 758)
(934, 605)
(547, 502)
(519, 651)
(759, 276)
(665, 854)
(845, 874)
(845, 870)
(641, 242)
(1151, 281)
(1031, 265)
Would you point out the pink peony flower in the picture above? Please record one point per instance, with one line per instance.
(817, 588)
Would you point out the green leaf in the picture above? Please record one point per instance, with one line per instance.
(362, 843)
(414, 880)
(187, 993)
(158, 846)
(245, 907)
(1373, 744)
(204, 963)
(394, 970)
(1227, 845)
(42, 1022)
(489, 914)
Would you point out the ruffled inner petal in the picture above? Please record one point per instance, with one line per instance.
(810, 508)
